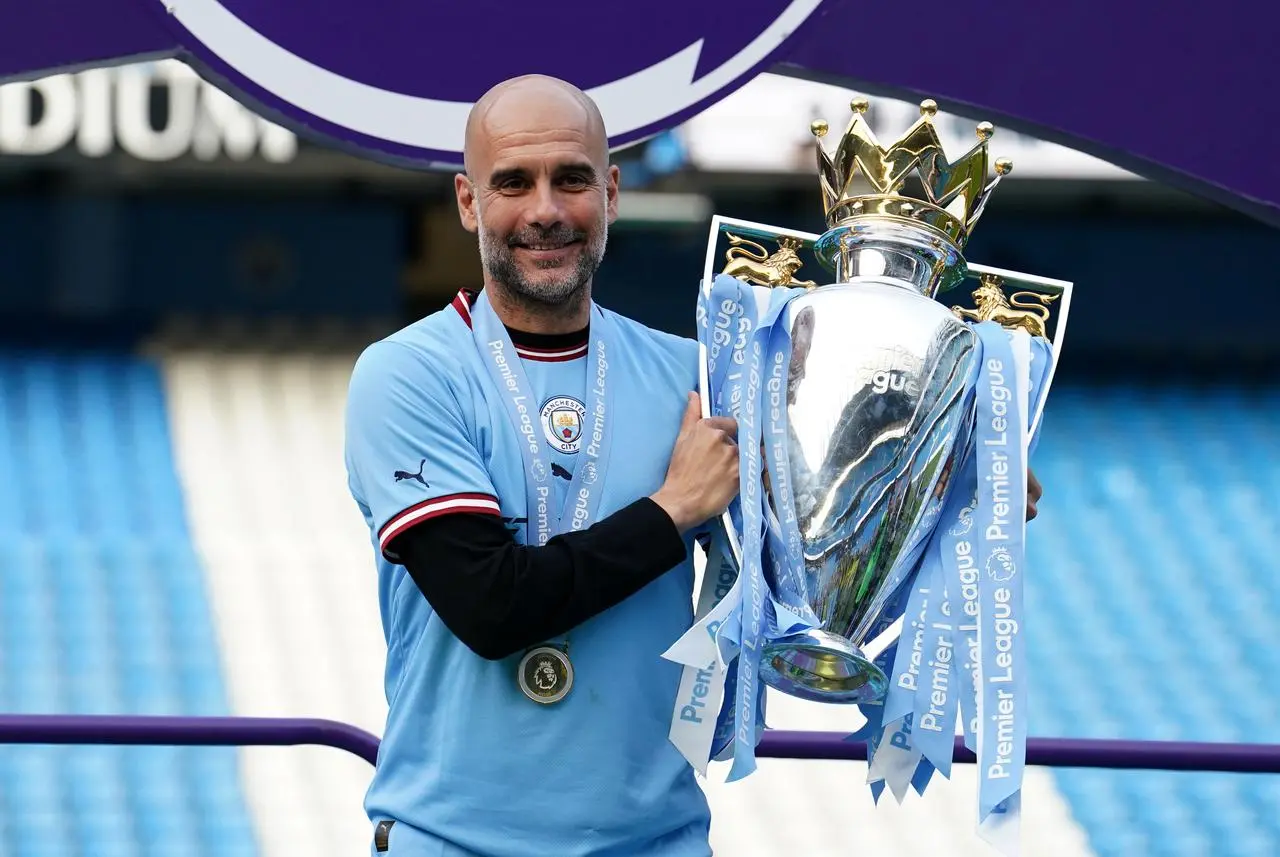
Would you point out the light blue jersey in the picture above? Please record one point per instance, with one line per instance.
(468, 764)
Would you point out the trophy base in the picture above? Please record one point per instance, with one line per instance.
(821, 667)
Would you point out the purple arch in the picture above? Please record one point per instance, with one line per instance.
(1183, 99)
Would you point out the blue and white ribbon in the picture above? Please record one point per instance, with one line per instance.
(745, 350)
(960, 653)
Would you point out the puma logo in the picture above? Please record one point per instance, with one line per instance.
(401, 475)
(557, 470)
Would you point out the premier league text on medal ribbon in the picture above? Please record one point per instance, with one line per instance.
(518, 398)
(509, 378)
(581, 514)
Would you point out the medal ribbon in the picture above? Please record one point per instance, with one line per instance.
(582, 498)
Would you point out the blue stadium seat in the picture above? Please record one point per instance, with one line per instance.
(103, 611)
(1155, 582)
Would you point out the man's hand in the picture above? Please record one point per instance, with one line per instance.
(702, 477)
(1034, 493)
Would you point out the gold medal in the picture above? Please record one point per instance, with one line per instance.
(545, 674)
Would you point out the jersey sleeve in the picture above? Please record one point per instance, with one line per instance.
(409, 451)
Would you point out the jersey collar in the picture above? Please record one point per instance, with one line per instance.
(543, 347)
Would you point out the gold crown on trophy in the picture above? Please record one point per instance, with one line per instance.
(954, 194)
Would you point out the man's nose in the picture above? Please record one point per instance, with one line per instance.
(546, 210)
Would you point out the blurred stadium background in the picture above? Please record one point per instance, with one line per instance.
(183, 288)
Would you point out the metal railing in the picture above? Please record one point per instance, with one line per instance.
(778, 744)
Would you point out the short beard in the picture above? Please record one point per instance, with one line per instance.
(561, 295)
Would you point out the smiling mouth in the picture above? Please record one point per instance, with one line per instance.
(547, 247)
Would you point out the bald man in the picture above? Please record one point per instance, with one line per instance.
(532, 468)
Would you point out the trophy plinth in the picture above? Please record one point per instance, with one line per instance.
(821, 667)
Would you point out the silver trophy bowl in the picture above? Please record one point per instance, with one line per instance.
(878, 414)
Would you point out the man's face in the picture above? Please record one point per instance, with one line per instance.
(540, 200)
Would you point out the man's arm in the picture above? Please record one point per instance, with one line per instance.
(499, 597)
(440, 518)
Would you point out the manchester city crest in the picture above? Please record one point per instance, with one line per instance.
(561, 419)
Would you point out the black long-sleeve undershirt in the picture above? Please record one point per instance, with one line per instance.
(500, 597)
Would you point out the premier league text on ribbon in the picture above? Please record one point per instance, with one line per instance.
(519, 399)
(780, 477)
(513, 384)
(695, 707)
(1003, 625)
(940, 665)
(723, 334)
(750, 500)
(582, 497)
(968, 626)
(907, 678)
(581, 512)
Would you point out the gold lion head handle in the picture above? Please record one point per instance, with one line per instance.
(749, 261)
(1012, 312)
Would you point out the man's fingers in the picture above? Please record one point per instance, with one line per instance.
(1034, 493)
(692, 411)
(728, 425)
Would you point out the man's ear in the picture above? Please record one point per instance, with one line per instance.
(464, 190)
(612, 179)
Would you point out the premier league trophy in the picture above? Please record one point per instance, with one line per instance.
(884, 429)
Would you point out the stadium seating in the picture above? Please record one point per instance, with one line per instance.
(1156, 584)
(258, 441)
(103, 610)
(176, 537)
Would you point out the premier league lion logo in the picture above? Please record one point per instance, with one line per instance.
(964, 521)
(1000, 566)
(544, 676)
